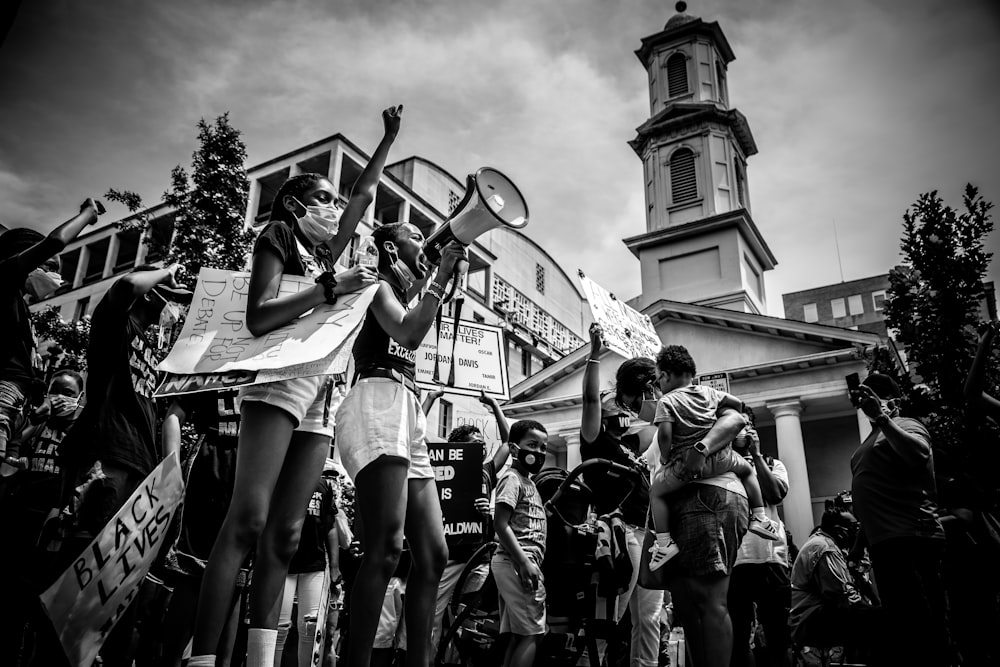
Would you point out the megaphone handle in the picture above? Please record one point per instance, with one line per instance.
(437, 346)
(454, 338)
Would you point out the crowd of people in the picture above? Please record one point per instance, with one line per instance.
(274, 539)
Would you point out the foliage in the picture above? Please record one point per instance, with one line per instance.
(70, 339)
(934, 305)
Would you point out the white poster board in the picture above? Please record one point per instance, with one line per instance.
(86, 602)
(626, 331)
(482, 360)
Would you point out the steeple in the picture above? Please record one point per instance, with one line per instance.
(701, 245)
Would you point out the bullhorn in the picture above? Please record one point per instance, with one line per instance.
(491, 200)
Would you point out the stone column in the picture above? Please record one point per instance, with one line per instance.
(573, 458)
(791, 452)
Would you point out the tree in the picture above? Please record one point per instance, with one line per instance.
(934, 305)
(68, 340)
(208, 207)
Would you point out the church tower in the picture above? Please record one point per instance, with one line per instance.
(701, 245)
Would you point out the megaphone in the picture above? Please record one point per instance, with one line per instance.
(491, 200)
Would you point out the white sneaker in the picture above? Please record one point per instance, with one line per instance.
(765, 528)
(660, 555)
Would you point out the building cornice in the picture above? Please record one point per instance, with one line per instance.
(673, 33)
(678, 115)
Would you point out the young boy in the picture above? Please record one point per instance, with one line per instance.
(684, 416)
(520, 527)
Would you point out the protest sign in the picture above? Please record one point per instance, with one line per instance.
(480, 351)
(319, 634)
(719, 381)
(86, 601)
(626, 331)
(458, 471)
(215, 337)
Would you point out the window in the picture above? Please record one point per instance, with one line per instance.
(878, 300)
(476, 317)
(650, 187)
(444, 418)
(855, 304)
(81, 308)
(837, 305)
(128, 249)
(677, 75)
(453, 201)
(683, 177)
(720, 75)
(741, 178)
(810, 313)
(347, 258)
(525, 362)
(98, 255)
(540, 278)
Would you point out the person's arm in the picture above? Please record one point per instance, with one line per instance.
(974, 393)
(527, 571)
(170, 432)
(363, 192)
(431, 399)
(139, 283)
(266, 311)
(590, 424)
(727, 426)
(333, 552)
(772, 486)
(836, 585)
(912, 448)
(502, 425)
(409, 328)
(665, 439)
(57, 240)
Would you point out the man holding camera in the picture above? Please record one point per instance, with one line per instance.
(895, 499)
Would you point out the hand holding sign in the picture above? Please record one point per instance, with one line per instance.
(623, 329)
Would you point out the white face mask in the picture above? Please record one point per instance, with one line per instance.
(41, 283)
(402, 270)
(319, 224)
(63, 406)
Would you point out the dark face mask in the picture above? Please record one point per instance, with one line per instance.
(532, 462)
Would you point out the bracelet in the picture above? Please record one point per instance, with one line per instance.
(436, 291)
(329, 282)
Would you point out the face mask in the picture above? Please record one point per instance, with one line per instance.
(170, 315)
(531, 462)
(63, 406)
(402, 270)
(319, 224)
(41, 284)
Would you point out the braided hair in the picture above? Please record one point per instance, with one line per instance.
(294, 186)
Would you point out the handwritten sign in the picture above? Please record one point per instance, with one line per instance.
(458, 472)
(215, 337)
(626, 331)
(480, 351)
(85, 603)
(718, 381)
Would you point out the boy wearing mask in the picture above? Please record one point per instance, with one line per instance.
(520, 527)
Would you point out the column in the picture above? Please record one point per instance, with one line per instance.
(112, 257)
(573, 458)
(792, 452)
(81, 266)
(336, 166)
(253, 201)
(404, 211)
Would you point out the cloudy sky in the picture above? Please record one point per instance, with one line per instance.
(857, 107)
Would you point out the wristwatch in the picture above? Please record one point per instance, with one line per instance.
(701, 449)
(328, 281)
(881, 419)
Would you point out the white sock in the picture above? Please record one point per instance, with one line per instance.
(202, 661)
(663, 540)
(261, 643)
(758, 513)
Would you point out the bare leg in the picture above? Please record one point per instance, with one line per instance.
(265, 435)
(381, 497)
(752, 485)
(521, 650)
(658, 506)
(425, 534)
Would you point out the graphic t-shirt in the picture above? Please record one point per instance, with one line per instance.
(320, 516)
(610, 488)
(527, 518)
(374, 348)
(118, 424)
(43, 447)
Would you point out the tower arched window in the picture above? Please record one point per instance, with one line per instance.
(683, 176)
(741, 184)
(677, 75)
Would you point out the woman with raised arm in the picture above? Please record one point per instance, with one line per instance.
(285, 426)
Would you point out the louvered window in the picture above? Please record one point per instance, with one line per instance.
(741, 185)
(683, 178)
(677, 75)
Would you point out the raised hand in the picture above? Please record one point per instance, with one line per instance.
(391, 119)
(596, 339)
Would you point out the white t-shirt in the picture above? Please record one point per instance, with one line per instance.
(755, 549)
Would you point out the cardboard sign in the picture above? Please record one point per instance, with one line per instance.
(85, 603)
(215, 337)
(481, 354)
(458, 471)
(626, 331)
(719, 381)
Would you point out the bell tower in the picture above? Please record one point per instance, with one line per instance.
(701, 245)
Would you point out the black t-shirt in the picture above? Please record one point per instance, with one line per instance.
(43, 454)
(118, 423)
(214, 414)
(375, 348)
(463, 552)
(17, 338)
(311, 556)
(609, 489)
(279, 238)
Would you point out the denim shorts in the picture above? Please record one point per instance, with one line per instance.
(707, 523)
(305, 399)
(381, 417)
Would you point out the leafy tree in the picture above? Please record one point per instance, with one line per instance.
(68, 340)
(934, 305)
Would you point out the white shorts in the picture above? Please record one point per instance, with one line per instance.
(305, 399)
(381, 417)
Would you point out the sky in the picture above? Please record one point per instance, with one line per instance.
(856, 106)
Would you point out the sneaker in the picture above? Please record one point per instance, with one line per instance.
(661, 555)
(767, 529)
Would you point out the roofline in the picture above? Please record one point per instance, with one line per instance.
(419, 158)
(545, 252)
(695, 25)
(698, 112)
(842, 282)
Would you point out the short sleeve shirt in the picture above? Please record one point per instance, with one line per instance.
(692, 411)
(279, 239)
(527, 518)
(320, 516)
(754, 548)
(216, 414)
(44, 446)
